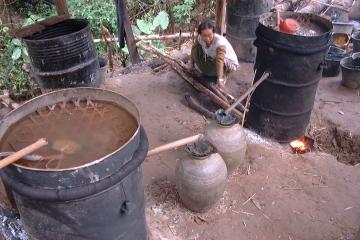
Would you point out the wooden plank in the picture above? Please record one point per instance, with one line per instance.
(61, 7)
(130, 39)
(220, 19)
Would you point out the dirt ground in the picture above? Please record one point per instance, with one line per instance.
(310, 196)
(335, 121)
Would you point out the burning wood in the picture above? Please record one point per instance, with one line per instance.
(302, 145)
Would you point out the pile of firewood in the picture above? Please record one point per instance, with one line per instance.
(312, 6)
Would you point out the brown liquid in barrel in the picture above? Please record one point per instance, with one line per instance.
(76, 134)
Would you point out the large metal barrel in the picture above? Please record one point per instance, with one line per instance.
(102, 199)
(63, 55)
(281, 106)
(355, 37)
(242, 21)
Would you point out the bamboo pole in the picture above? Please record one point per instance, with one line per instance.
(198, 86)
(162, 55)
(249, 91)
(23, 152)
(179, 67)
(153, 37)
(173, 145)
(105, 33)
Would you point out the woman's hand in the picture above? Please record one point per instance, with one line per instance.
(221, 83)
(191, 67)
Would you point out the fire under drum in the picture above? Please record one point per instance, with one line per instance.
(88, 184)
(281, 106)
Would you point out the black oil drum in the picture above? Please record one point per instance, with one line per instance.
(242, 21)
(332, 61)
(281, 106)
(350, 69)
(63, 55)
(355, 38)
(103, 199)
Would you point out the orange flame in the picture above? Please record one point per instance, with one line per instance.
(299, 145)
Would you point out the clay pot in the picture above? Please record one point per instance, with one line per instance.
(230, 143)
(201, 182)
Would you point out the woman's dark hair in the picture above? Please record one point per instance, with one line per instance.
(207, 24)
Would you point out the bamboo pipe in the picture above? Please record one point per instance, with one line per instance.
(173, 145)
(252, 88)
(23, 152)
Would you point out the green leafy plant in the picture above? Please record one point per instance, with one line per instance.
(183, 12)
(19, 51)
(158, 23)
(97, 12)
(12, 58)
(161, 21)
(34, 7)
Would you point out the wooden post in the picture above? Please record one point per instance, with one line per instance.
(220, 18)
(125, 31)
(120, 5)
(61, 7)
(130, 39)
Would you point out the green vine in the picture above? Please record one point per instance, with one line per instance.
(13, 59)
